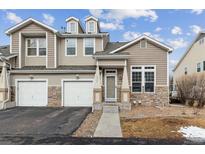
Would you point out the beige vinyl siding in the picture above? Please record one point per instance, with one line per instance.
(53, 79)
(35, 30)
(23, 49)
(152, 55)
(194, 56)
(98, 44)
(50, 51)
(80, 59)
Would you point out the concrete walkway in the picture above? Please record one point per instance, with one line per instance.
(109, 125)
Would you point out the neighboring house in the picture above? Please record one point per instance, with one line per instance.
(193, 61)
(5, 54)
(83, 68)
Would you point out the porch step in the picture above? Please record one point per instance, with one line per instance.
(110, 109)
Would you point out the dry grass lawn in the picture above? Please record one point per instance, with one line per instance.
(160, 122)
(158, 128)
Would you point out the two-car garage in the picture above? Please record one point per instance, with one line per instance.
(74, 93)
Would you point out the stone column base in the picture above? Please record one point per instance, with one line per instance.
(97, 95)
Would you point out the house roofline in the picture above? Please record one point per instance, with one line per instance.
(91, 17)
(143, 37)
(188, 49)
(13, 28)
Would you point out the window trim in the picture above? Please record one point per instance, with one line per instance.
(143, 70)
(69, 27)
(141, 44)
(197, 67)
(95, 27)
(84, 47)
(37, 48)
(76, 47)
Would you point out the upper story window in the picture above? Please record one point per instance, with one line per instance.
(36, 46)
(198, 67)
(91, 26)
(143, 44)
(72, 27)
(143, 78)
(185, 71)
(71, 47)
(89, 46)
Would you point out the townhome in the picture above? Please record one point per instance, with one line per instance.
(193, 61)
(82, 67)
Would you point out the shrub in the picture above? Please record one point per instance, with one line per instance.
(191, 89)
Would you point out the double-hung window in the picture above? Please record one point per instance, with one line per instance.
(36, 46)
(149, 79)
(71, 46)
(136, 79)
(91, 26)
(89, 46)
(72, 27)
(143, 78)
(198, 67)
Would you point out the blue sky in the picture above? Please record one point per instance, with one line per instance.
(174, 27)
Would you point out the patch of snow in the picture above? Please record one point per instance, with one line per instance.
(193, 133)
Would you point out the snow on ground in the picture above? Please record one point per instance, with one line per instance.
(193, 133)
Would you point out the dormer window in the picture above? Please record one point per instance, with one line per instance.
(91, 27)
(72, 27)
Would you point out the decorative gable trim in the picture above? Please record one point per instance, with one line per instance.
(140, 38)
(29, 20)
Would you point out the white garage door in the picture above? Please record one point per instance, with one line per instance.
(32, 93)
(78, 93)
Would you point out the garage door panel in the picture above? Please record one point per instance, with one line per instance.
(32, 93)
(78, 93)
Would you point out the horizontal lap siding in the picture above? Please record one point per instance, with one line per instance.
(50, 54)
(152, 55)
(34, 61)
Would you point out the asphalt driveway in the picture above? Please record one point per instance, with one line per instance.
(42, 121)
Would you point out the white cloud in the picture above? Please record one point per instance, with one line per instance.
(130, 35)
(178, 43)
(197, 11)
(13, 18)
(119, 14)
(176, 30)
(111, 26)
(158, 29)
(173, 62)
(195, 29)
(48, 19)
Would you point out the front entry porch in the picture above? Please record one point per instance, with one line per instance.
(111, 86)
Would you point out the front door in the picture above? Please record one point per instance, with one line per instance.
(110, 85)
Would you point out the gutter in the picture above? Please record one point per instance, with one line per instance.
(111, 56)
(50, 71)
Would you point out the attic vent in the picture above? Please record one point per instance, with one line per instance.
(143, 44)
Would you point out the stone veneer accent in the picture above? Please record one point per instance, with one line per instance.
(54, 96)
(159, 98)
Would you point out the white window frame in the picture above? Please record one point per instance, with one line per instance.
(197, 67)
(37, 48)
(88, 29)
(84, 46)
(76, 49)
(145, 44)
(143, 70)
(69, 27)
